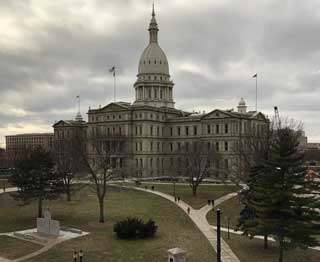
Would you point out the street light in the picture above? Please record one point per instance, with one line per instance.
(228, 227)
(218, 236)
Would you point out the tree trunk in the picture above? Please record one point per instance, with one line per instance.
(68, 195)
(281, 249)
(265, 246)
(101, 207)
(68, 192)
(40, 207)
(194, 190)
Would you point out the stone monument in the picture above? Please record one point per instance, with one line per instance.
(48, 226)
(176, 255)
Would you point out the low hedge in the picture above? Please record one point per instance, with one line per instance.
(135, 228)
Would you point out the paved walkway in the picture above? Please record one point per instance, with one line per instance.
(199, 218)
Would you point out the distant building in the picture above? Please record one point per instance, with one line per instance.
(156, 130)
(29, 141)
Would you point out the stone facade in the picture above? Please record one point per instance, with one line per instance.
(29, 141)
(155, 131)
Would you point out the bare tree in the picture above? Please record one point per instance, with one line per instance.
(104, 157)
(197, 160)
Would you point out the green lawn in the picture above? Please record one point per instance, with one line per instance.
(229, 209)
(12, 248)
(4, 183)
(204, 192)
(175, 228)
(251, 250)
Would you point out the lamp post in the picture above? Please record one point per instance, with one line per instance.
(218, 236)
(228, 227)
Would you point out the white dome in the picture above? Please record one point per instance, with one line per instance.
(242, 102)
(153, 60)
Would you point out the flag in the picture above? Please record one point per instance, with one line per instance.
(113, 70)
(255, 75)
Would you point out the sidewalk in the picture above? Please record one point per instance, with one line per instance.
(199, 218)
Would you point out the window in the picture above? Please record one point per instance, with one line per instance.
(140, 129)
(171, 131)
(136, 146)
(141, 163)
(217, 146)
(187, 146)
(140, 146)
(208, 129)
(151, 130)
(179, 130)
(226, 163)
(171, 147)
(187, 130)
(217, 129)
(120, 131)
(158, 146)
(226, 128)
(137, 163)
(195, 130)
(151, 162)
(226, 147)
(179, 146)
(171, 162)
(208, 146)
(151, 146)
(136, 130)
(149, 93)
(158, 131)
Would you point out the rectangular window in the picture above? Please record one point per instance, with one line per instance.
(151, 130)
(187, 130)
(208, 129)
(171, 147)
(151, 146)
(226, 128)
(187, 146)
(217, 129)
(140, 129)
(179, 130)
(226, 146)
(226, 163)
(136, 129)
(195, 130)
(171, 131)
(179, 146)
(217, 146)
(158, 131)
(158, 146)
(136, 146)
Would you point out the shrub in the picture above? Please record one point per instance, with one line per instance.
(135, 228)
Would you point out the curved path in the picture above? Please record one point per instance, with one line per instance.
(199, 218)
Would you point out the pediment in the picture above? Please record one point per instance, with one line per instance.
(216, 113)
(60, 123)
(113, 107)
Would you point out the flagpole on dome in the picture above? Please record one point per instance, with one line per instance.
(113, 70)
(256, 77)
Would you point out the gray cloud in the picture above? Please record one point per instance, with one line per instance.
(52, 51)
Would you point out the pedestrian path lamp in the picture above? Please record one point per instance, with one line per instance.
(218, 235)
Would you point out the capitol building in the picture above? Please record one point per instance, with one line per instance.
(156, 131)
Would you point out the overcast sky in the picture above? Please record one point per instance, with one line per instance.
(51, 51)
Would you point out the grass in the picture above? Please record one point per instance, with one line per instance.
(229, 209)
(204, 192)
(175, 228)
(8, 247)
(251, 250)
(4, 183)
